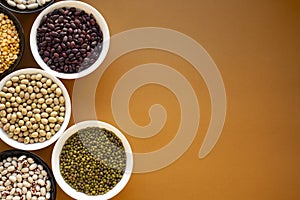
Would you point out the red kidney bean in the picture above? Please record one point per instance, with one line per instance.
(69, 40)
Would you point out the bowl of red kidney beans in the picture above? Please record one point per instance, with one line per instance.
(69, 39)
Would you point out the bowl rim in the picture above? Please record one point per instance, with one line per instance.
(26, 11)
(58, 147)
(38, 160)
(20, 30)
(101, 22)
(37, 146)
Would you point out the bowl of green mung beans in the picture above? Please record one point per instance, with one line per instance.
(92, 160)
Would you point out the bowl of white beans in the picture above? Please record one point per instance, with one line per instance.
(24, 175)
(26, 6)
(35, 109)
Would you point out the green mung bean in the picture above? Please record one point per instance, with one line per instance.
(93, 161)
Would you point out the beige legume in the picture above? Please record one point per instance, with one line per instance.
(31, 113)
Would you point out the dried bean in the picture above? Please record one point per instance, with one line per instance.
(23, 112)
(29, 4)
(88, 153)
(74, 23)
(25, 184)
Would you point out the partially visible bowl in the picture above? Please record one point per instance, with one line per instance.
(67, 104)
(56, 161)
(37, 160)
(21, 43)
(26, 10)
(82, 69)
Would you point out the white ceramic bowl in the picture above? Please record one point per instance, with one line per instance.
(88, 9)
(36, 146)
(57, 150)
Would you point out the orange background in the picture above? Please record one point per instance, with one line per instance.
(256, 46)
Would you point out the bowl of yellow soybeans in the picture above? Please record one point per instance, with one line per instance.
(35, 109)
(12, 42)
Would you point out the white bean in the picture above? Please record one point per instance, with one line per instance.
(19, 178)
(24, 190)
(26, 184)
(31, 2)
(32, 6)
(7, 164)
(21, 7)
(12, 191)
(7, 183)
(11, 3)
(30, 179)
(48, 195)
(3, 178)
(18, 1)
(2, 188)
(48, 185)
(44, 173)
(14, 163)
(35, 177)
(33, 166)
(16, 198)
(41, 182)
(11, 168)
(19, 167)
(43, 191)
(13, 178)
(30, 160)
(9, 197)
(20, 185)
(25, 176)
(28, 195)
(37, 188)
(41, 3)
(4, 172)
(25, 170)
